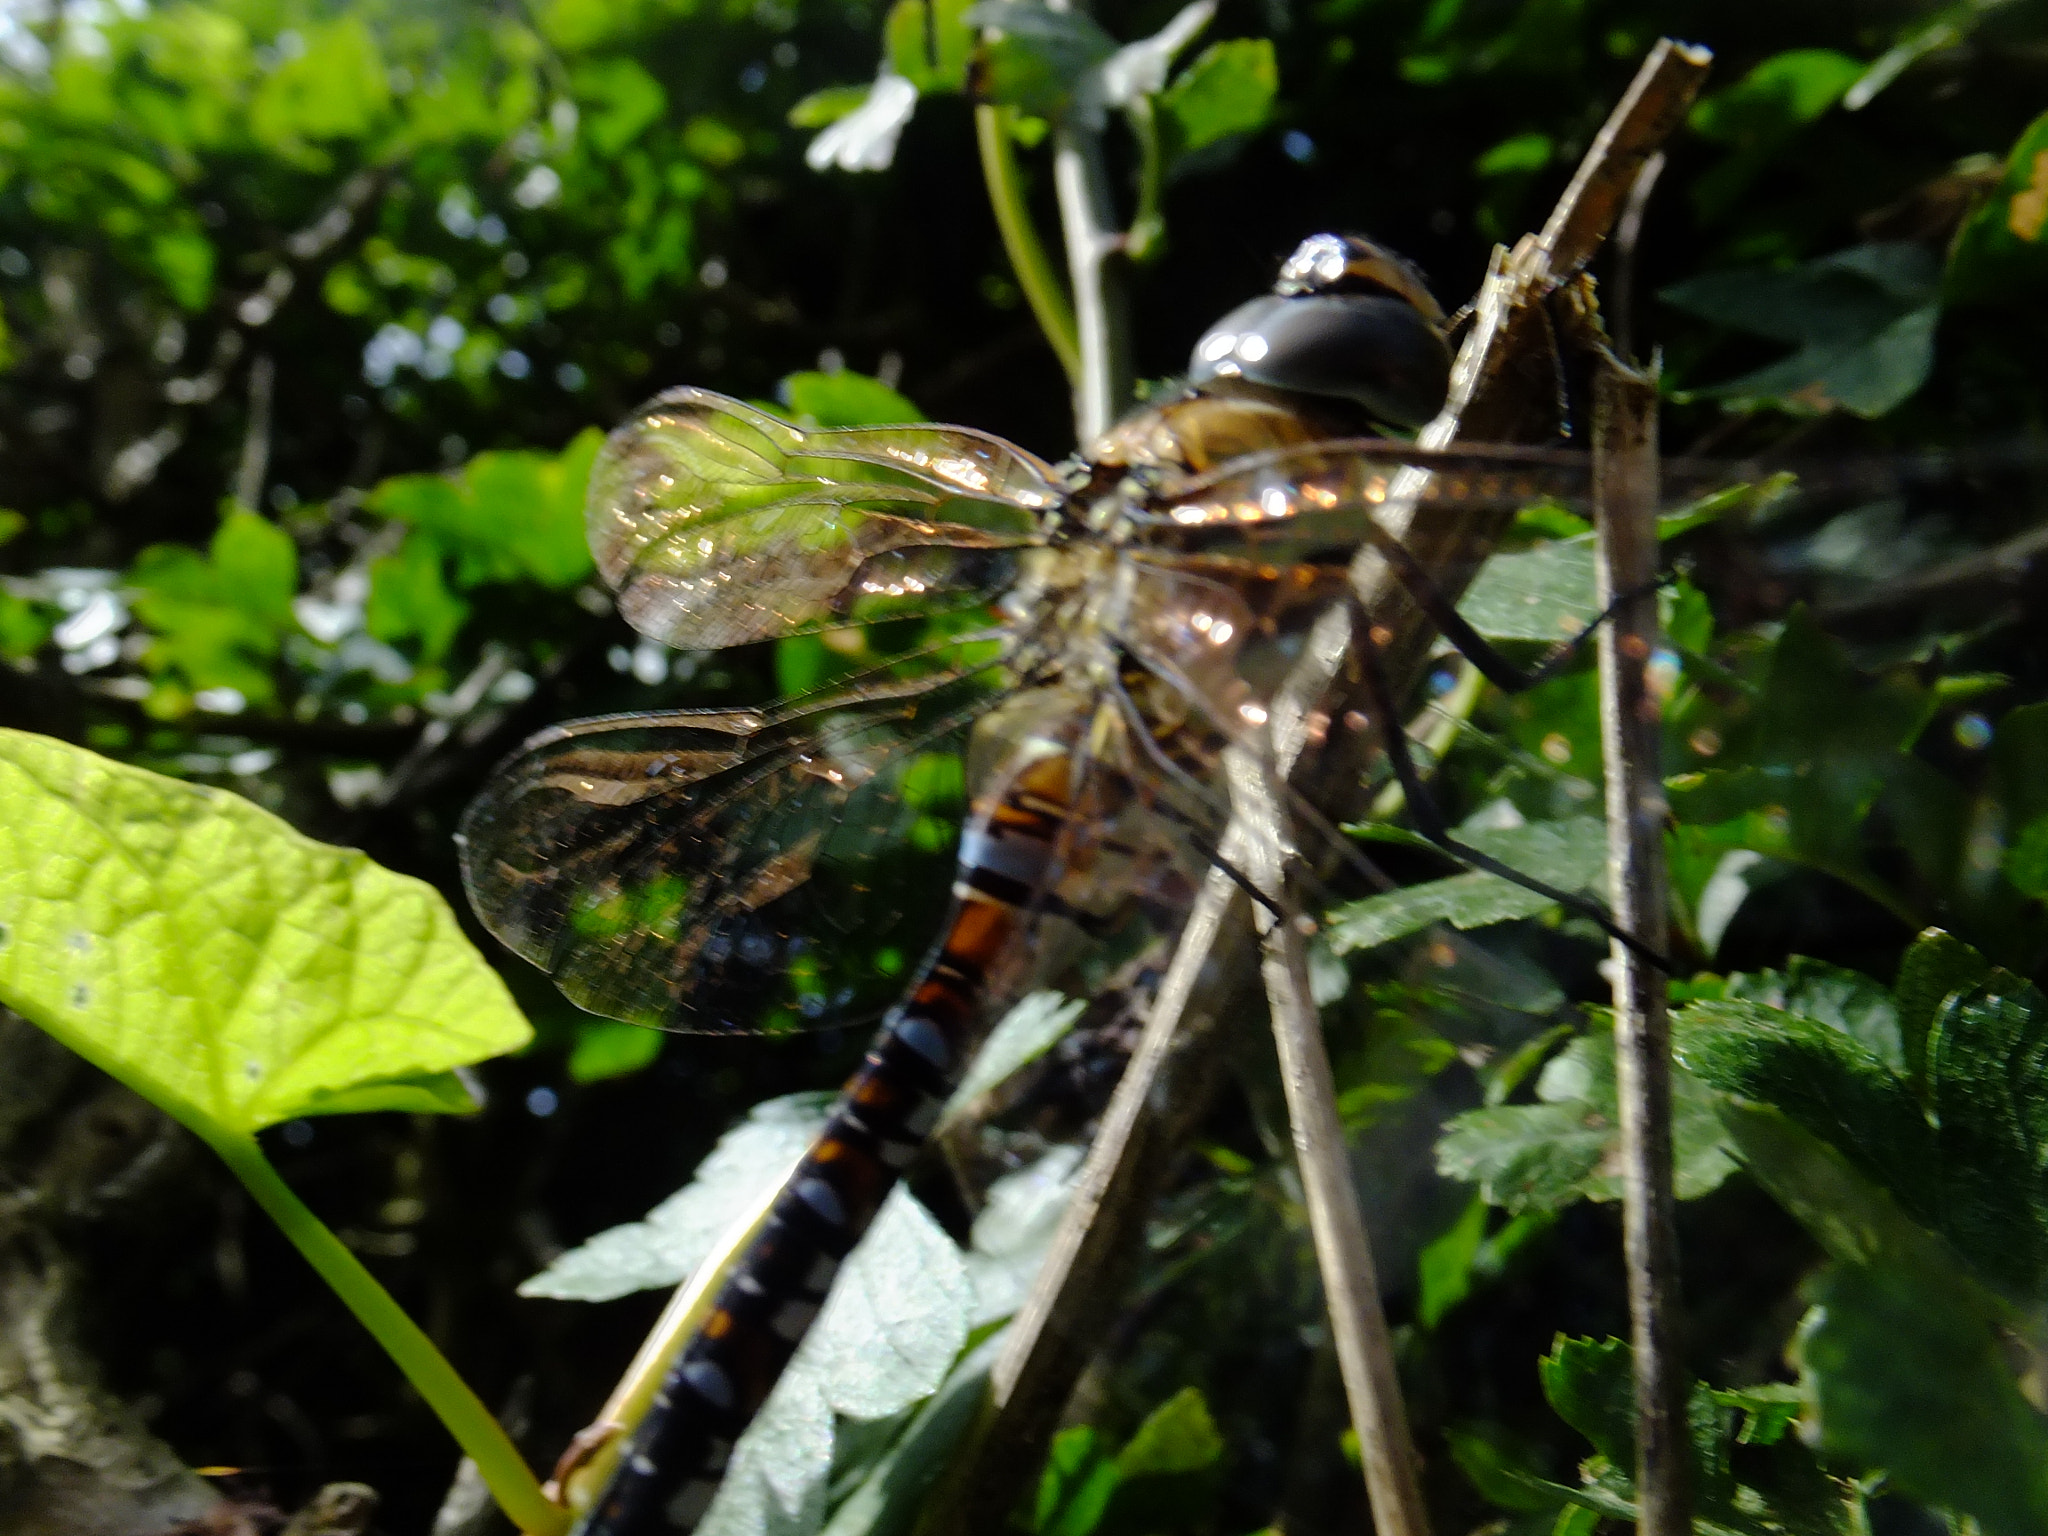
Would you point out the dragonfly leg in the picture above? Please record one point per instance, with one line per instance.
(1429, 818)
(1475, 647)
(1142, 733)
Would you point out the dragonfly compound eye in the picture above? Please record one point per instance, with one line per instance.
(1372, 347)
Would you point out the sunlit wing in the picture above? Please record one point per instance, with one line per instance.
(712, 871)
(1296, 502)
(719, 524)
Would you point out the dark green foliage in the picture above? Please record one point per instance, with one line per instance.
(469, 239)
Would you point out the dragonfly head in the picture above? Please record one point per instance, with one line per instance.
(1346, 318)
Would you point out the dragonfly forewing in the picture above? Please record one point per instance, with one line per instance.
(718, 524)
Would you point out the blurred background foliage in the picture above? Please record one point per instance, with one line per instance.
(311, 315)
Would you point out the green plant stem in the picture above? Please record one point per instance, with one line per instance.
(1028, 260)
(1145, 240)
(481, 1437)
(1095, 275)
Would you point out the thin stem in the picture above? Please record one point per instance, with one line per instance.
(1358, 1323)
(1095, 274)
(482, 1439)
(255, 461)
(1021, 244)
(1146, 237)
(1625, 511)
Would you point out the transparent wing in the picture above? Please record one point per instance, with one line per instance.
(1330, 496)
(719, 524)
(712, 871)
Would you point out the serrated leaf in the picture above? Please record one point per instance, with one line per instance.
(662, 1249)
(890, 1497)
(1937, 967)
(1857, 1005)
(1015, 1229)
(895, 1322)
(220, 963)
(1591, 1384)
(1019, 1038)
(1907, 1373)
(1571, 855)
(1545, 594)
(1545, 1156)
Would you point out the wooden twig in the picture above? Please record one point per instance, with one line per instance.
(1497, 395)
(1351, 1293)
(1625, 521)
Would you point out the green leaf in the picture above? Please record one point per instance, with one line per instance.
(844, 399)
(661, 1249)
(183, 259)
(24, 626)
(886, 1340)
(229, 969)
(929, 43)
(1545, 594)
(2001, 253)
(2026, 861)
(1759, 115)
(890, 1497)
(1178, 1436)
(221, 618)
(1564, 1148)
(1024, 1034)
(827, 106)
(1907, 1373)
(1936, 968)
(1862, 323)
(1074, 1489)
(1167, 1474)
(409, 599)
(1228, 89)
(606, 1048)
(1808, 762)
(1592, 1386)
(505, 515)
(620, 100)
(1571, 855)
(336, 87)
(1036, 57)
(1857, 1005)
(1444, 1266)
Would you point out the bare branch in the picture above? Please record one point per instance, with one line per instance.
(1625, 518)
(1351, 1293)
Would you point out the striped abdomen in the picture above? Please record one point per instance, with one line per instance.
(671, 1465)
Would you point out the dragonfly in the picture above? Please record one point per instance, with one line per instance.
(914, 846)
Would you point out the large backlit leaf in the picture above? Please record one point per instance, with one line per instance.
(220, 963)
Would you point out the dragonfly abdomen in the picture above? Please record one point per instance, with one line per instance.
(669, 1471)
